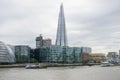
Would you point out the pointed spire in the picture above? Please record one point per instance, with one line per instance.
(61, 6)
(61, 31)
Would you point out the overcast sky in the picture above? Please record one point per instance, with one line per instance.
(92, 23)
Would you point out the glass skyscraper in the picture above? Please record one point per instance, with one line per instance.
(61, 38)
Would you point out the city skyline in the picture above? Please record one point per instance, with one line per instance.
(89, 23)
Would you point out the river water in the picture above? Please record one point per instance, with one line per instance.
(61, 73)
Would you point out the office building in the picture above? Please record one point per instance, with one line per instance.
(112, 57)
(6, 54)
(97, 57)
(86, 50)
(119, 56)
(22, 53)
(39, 41)
(59, 54)
(47, 42)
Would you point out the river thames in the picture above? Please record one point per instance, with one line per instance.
(62, 73)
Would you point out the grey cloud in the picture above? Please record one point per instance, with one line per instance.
(93, 23)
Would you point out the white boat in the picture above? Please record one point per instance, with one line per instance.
(106, 64)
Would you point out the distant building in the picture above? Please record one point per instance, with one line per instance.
(119, 56)
(119, 53)
(39, 41)
(112, 54)
(86, 53)
(6, 54)
(12, 47)
(86, 50)
(74, 55)
(112, 57)
(22, 53)
(86, 57)
(97, 57)
(47, 42)
(59, 54)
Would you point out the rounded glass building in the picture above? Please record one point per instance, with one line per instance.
(6, 54)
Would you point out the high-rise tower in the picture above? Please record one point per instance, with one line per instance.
(39, 41)
(61, 38)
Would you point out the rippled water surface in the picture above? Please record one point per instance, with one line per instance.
(62, 73)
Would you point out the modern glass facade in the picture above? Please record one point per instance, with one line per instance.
(6, 54)
(86, 50)
(22, 53)
(61, 38)
(59, 54)
(55, 54)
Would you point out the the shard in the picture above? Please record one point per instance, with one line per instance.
(61, 38)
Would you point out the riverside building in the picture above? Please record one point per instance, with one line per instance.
(59, 54)
(6, 54)
(112, 57)
(97, 57)
(22, 53)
